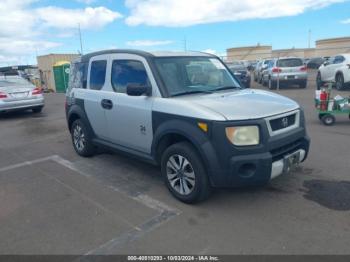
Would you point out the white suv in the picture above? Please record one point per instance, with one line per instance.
(337, 70)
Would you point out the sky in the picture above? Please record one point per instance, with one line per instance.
(38, 27)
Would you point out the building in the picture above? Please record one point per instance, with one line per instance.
(297, 52)
(46, 64)
(249, 52)
(324, 47)
(332, 46)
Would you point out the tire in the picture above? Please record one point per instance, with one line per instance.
(191, 177)
(37, 110)
(339, 82)
(328, 119)
(303, 84)
(319, 82)
(81, 139)
(271, 85)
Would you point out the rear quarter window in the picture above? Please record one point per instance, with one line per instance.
(98, 74)
(77, 76)
(292, 62)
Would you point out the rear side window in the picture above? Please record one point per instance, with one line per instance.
(292, 62)
(98, 74)
(125, 72)
(77, 77)
(339, 59)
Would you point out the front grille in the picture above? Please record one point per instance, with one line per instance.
(280, 152)
(282, 122)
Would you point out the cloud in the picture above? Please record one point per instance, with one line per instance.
(87, 2)
(26, 30)
(181, 13)
(138, 43)
(346, 21)
(88, 18)
(214, 52)
(210, 51)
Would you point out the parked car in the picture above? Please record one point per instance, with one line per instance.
(17, 93)
(336, 70)
(251, 66)
(241, 73)
(260, 67)
(315, 63)
(286, 71)
(185, 112)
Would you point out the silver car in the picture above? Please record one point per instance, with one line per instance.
(185, 112)
(285, 71)
(16, 93)
(259, 69)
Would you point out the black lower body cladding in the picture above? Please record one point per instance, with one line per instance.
(231, 166)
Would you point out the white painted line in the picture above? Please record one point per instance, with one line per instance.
(165, 212)
(27, 163)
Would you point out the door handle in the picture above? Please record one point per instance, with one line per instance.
(107, 104)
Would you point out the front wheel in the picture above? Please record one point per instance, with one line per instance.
(339, 82)
(328, 119)
(184, 173)
(81, 139)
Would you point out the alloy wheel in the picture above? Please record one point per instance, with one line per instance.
(339, 82)
(180, 174)
(79, 138)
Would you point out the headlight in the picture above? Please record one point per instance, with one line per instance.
(243, 135)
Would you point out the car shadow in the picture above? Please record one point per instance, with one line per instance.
(13, 115)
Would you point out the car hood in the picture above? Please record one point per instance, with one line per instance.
(244, 104)
(16, 89)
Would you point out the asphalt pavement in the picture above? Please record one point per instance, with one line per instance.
(54, 202)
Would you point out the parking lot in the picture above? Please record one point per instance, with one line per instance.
(54, 202)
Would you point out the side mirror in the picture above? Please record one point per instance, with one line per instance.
(326, 63)
(137, 90)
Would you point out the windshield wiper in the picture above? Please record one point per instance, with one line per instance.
(226, 88)
(192, 92)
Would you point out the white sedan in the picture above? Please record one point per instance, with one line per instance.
(16, 93)
(335, 70)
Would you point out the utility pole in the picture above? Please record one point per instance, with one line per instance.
(81, 41)
(185, 43)
(309, 38)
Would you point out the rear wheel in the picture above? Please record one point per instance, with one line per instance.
(184, 173)
(339, 82)
(328, 119)
(319, 82)
(82, 139)
(37, 109)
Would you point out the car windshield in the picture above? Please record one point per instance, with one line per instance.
(185, 75)
(12, 81)
(292, 62)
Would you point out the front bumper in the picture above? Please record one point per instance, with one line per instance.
(230, 166)
(21, 104)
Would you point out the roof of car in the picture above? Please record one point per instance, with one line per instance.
(288, 57)
(145, 54)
